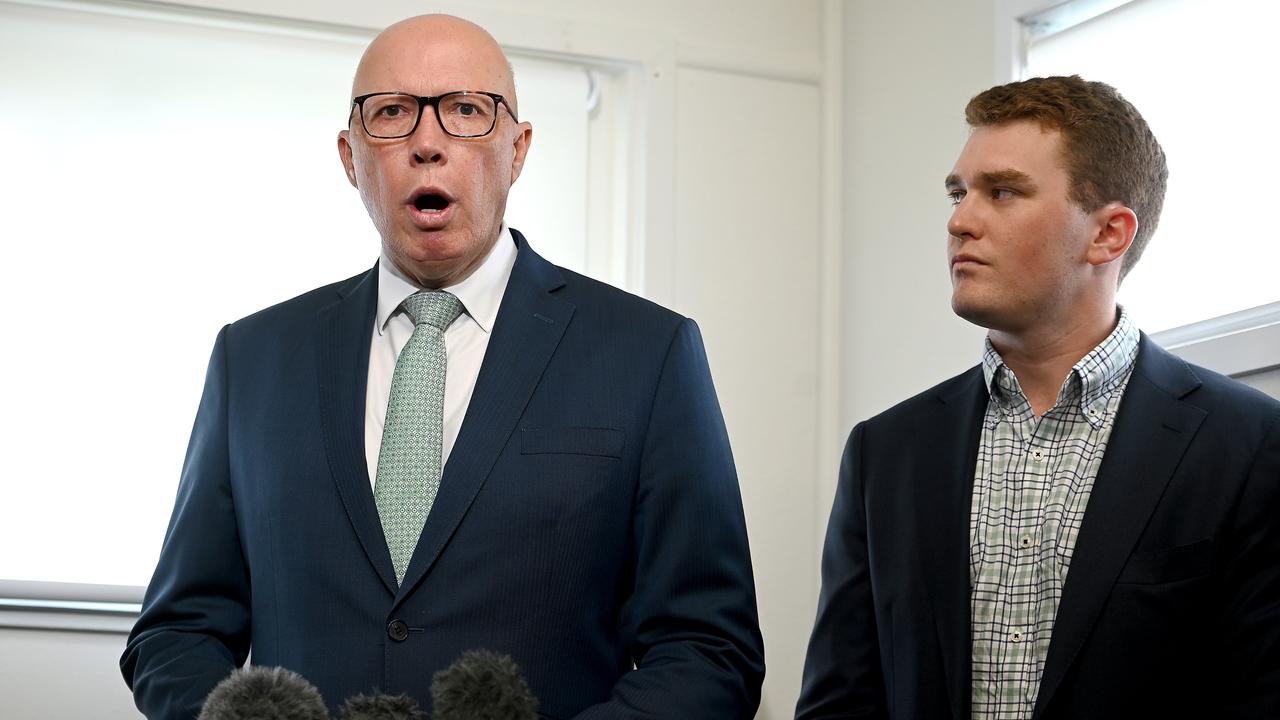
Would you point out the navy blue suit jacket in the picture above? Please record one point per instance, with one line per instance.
(1172, 605)
(589, 518)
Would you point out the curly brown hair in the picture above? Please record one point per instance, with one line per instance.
(1109, 151)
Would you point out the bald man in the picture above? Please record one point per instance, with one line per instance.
(464, 447)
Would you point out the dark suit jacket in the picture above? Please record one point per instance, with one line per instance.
(588, 519)
(1171, 607)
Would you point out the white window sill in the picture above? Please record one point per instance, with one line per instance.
(1237, 344)
(71, 607)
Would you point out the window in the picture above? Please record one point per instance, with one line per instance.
(1200, 72)
(167, 172)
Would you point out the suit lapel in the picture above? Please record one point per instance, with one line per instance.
(528, 328)
(944, 524)
(343, 348)
(1152, 431)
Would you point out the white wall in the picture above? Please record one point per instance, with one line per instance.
(62, 674)
(732, 222)
(747, 268)
(910, 67)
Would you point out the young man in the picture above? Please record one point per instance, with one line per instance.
(1083, 525)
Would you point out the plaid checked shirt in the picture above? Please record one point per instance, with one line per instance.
(1030, 490)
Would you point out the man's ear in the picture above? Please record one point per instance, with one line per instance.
(521, 141)
(1116, 226)
(344, 153)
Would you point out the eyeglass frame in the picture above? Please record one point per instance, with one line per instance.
(357, 103)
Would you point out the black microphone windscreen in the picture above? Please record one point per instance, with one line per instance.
(482, 685)
(264, 693)
(381, 707)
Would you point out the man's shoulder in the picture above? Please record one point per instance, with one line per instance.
(289, 313)
(603, 304)
(598, 306)
(1210, 391)
(1229, 393)
(925, 405)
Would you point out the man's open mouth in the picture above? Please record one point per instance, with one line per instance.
(431, 202)
(432, 208)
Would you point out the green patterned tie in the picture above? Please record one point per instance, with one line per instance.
(410, 461)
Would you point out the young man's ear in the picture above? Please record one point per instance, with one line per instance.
(1117, 225)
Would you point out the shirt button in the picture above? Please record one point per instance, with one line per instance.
(397, 630)
(1038, 455)
(1025, 540)
(1016, 636)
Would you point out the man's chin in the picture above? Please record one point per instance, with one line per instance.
(439, 259)
(970, 310)
(427, 270)
(427, 247)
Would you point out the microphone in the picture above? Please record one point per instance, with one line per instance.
(381, 707)
(482, 685)
(264, 693)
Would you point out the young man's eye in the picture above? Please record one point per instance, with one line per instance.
(955, 196)
(1002, 194)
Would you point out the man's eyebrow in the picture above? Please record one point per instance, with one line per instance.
(993, 178)
(1016, 178)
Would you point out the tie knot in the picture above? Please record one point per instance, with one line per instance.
(433, 307)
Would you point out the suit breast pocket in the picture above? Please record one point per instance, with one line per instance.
(573, 478)
(594, 441)
(1166, 565)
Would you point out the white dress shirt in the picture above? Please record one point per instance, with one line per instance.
(465, 341)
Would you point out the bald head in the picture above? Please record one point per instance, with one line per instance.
(434, 54)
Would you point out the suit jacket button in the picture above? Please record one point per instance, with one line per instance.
(397, 630)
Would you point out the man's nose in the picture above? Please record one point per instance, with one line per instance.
(429, 141)
(964, 219)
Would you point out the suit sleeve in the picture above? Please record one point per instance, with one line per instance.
(1252, 581)
(842, 673)
(691, 621)
(194, 626)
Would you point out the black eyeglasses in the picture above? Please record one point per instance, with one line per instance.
(462, 114)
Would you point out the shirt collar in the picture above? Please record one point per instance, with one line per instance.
(1094, 376)
(1002, 385)
(1107, 366)
(480, 292)
(994, 369)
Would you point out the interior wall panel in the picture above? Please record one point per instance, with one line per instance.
(748, 219)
